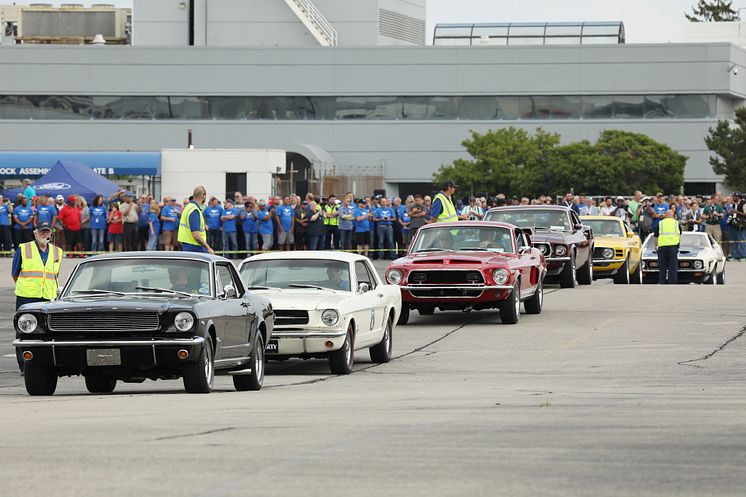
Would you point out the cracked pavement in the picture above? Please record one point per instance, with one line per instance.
(595, 396)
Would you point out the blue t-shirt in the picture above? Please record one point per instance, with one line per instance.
(167, 211)
(143, 216)
(195, 223)
(400, 211)
(659, 209)
(436, 209)
(406, 218)
(23, 214)
(265, 227)
(45, 213)
(285, 214)
(4, 215)
(156, 223)
(364, 225)
(229, 225)
(98, 217)
(212, 217)
(345, 224)
(249, 223)
(386, 215)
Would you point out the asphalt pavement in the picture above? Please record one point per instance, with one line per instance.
(611, 391)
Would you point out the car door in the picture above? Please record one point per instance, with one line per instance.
(635, 247)
(234, 314)
(527, 262)
(581, 239)
(367, 312)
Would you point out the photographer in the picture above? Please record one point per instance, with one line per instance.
(644, 219)
(712, 214)
(738, 226)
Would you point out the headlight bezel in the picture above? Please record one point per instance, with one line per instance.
(501, 276)
(187, 317)
(332, 313)
(27, 317)
(560, 250)
(394, 281)
(698, 264)
(607, 253)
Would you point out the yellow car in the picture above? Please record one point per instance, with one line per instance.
(617, 252)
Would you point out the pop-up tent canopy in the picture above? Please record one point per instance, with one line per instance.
(71, 178)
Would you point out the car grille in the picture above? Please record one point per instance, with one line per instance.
(445, 293)
(104, 321)
(290, 318)
(454, 277)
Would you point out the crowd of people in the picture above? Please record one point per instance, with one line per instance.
(376, 226)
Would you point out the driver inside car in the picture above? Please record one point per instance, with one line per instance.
(182, 280)
(337, 280)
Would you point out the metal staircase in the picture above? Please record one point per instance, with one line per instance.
(314, 21)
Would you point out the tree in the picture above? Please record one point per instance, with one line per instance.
(728, 141)
(713, 11)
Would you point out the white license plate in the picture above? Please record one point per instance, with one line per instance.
(103, 357)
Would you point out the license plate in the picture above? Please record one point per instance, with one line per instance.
(273, 347)
(103, 357)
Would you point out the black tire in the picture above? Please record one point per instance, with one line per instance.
(381, 352)
(536, 302)
(721, 277)
(585, 273)
(255, 380)
(98, 383)
(636, 277)
(199, 375)
(342, 360)
(567, 278)
(404, 316)
(622, 276)
(510, 308)
(40, 380)
(426, 310)
(712, 279)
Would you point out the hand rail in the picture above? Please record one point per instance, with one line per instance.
(317, 19)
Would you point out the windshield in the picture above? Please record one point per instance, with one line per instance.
(141, 276)
(605, 227)
(491, 239)
(532, 218)
(690, 242)
(297, 273)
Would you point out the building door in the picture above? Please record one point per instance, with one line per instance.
(235, 182)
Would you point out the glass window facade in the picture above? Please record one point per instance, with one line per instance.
(530, 33)
(348, 108)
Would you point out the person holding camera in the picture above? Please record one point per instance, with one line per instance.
(738, 225)
(713, 212)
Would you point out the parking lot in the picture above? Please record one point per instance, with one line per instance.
(611, 391)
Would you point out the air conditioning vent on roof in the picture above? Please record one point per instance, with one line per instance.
(401, 27)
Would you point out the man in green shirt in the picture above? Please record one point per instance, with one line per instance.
(712, 213)
(632, 205)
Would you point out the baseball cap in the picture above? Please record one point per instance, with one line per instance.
(44, 226)
(738, 194)
(448, 183)
(262, 202)
(59, 197)
(620, 197)
(71, 198)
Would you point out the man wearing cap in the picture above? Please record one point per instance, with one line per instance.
(667, 238)
(36, 265)
(192, 232)
(442, 210)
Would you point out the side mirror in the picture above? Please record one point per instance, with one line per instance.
(363, 287)
(630, 234)
(578, 226)
(229, 292)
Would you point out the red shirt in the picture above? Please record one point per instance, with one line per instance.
(70, 217)
(115, 223)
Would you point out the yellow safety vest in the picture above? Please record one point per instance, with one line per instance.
(668, 232)
(36, 279)
(449, 212)
(185, 232)
(331, 221)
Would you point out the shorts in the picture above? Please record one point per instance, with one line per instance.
(362, 238)
(285, 238)
(168, 239)
(115, 238)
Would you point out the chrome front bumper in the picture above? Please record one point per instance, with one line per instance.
(110, 343)
(457, 287)
(301, 342)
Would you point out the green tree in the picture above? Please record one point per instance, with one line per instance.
(713, 11)
(728, 141)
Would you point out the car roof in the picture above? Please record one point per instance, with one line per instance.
(529, 207)
(158, 255)
(308, 254)
(475, 224)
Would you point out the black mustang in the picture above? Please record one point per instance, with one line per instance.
(138, 315)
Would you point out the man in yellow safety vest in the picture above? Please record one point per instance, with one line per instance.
(192, 233)
(442, 209)
(35, 268)
(667, 236)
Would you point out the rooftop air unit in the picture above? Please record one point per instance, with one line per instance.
(72, 24)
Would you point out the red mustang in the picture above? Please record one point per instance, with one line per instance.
(470, 265)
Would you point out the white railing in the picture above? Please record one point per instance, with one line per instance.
(315, 21)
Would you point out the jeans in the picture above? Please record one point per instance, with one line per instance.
(97, 240)
(345, 239)
(738, 239)
(251, 242)
(315, 242)
(331, 238)
(130, 237)
(386, 241)
(215, 239)
(152, 242)
(267, 241)
(373, 246)
(668, 262)
(230, 243)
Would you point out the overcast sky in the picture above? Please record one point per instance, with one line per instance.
(645, 21)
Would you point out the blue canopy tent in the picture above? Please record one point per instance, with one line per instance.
(71, 178)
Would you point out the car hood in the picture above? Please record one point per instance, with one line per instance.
(683, 253)
(610, 241)
(466, 258)
(548, 236)
(108, 304)
(302, 299)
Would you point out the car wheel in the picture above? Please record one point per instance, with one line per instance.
(712, 279)
(381, 352)
(622, 276)
(255, 379)
(585, 273)
(404, 316)
(567, 276)
(721, 277)
(426, 310)
(636, 277)
(536, 302)
(510, 308)
(98, 383)
(341, 361)
(199, 375)
(40, 380)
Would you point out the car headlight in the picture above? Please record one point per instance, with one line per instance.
(560, 250)
(394, 276)
(501, 276)
(184, 321)
(330, 317)
(699, 264)
(27, 323)
(543, 249)
(608, 253)
(644, 265)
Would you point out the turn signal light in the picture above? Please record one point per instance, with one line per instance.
(329, 344)
(27, 355)
(183, 354)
